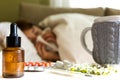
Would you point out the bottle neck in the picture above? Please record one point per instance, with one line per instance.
(13, 41)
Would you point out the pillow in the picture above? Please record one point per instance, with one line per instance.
(111, 11)
(0, 60)
(26, 44)
(68, 30)
(35, 13)
(1, 41)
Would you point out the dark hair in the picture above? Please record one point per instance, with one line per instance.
(24, 25)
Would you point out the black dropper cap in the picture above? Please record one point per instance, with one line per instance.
(13, 40)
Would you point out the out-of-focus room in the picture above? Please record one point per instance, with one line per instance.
(65, 39)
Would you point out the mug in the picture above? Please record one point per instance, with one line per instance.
(105, 33)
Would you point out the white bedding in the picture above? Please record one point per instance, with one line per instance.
(68, 29)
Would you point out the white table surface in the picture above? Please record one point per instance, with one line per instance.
(58, 75)
(46, 75)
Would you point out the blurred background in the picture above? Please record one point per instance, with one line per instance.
(9, 9)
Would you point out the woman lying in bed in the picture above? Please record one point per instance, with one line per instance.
(32, 31)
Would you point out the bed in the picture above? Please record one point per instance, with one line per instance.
(64, 19)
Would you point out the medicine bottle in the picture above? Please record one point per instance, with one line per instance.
(13, 55)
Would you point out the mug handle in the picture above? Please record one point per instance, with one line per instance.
(82, 38)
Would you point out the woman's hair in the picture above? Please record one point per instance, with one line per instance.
(24, 25)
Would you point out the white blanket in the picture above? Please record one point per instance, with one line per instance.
(68, 29)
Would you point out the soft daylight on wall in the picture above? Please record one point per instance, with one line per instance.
(85, 3)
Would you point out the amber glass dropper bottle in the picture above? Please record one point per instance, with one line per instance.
(13, 55)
